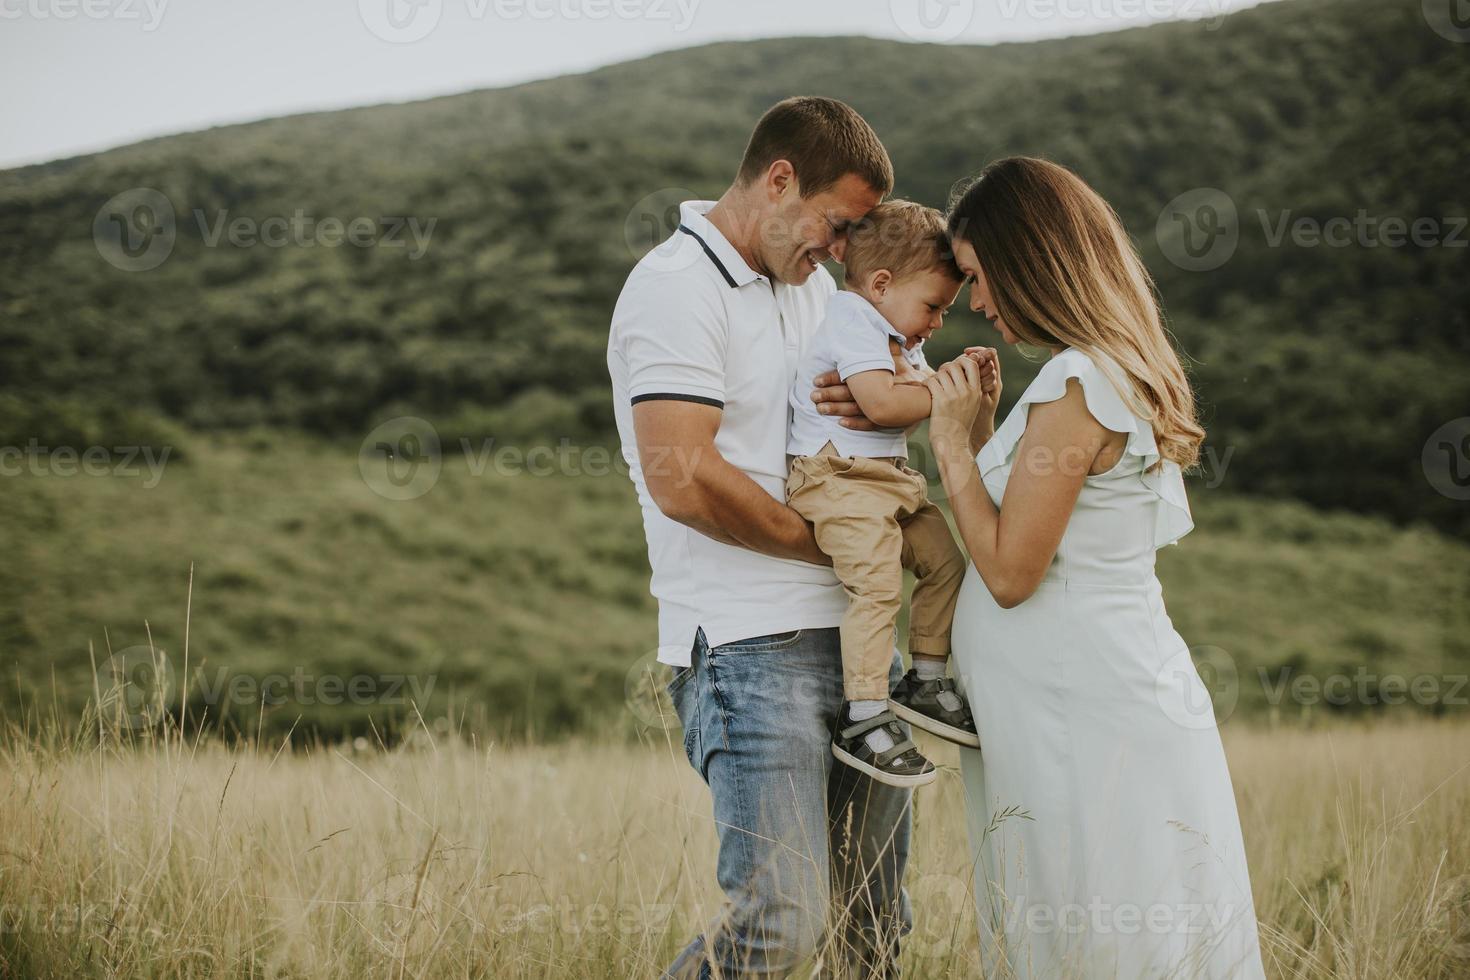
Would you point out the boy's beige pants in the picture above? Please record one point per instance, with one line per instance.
(874, 518)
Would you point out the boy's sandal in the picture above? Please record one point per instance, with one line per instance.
(918, 703)
(902, 765)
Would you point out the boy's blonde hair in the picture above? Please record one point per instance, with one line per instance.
(903, 237)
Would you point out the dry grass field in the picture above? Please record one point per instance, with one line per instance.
(445, 858)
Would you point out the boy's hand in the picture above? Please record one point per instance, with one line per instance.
(904, 373)
(834, 398)
(990, 384)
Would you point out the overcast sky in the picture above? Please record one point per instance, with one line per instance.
(84, 75)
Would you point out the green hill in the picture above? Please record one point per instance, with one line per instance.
(522, 601)
(495, 229)
(1323, 369)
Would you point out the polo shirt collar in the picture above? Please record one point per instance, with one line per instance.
(851, 304)
(727, 260)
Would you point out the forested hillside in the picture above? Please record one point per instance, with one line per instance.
(503, 223)
(255, 299)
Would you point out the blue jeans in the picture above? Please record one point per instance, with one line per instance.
(809, 849)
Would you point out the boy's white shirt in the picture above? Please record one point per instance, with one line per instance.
(852, 338)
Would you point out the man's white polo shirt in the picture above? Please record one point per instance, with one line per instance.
(695, 323)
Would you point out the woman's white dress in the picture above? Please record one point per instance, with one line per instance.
(1101, 816)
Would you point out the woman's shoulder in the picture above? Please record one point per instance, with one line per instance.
(1099, 389)
(1094, 373)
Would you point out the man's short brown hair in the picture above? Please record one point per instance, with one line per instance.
(823, 139)
(903, 237)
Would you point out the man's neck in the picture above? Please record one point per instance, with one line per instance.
(734, 218)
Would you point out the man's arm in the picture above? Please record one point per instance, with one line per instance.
(691, 483)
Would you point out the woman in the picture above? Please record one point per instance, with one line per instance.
(1101, 816)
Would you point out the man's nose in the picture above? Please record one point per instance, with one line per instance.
(838, 248)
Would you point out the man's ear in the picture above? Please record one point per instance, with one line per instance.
(781, 180)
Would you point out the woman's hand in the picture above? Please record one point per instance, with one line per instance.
(990, 383)
(965, 390)
(964, 395)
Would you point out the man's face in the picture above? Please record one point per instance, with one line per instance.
(800, 233)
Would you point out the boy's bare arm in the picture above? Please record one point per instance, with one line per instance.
(899, 398)
(887, 401)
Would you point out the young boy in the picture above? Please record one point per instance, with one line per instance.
(871, 513)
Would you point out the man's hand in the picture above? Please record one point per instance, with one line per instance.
(835, 398)
(691, 483)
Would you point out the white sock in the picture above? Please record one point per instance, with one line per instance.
(929, 668)
(878, 740)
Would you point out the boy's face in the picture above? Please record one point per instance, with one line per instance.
(915, 305)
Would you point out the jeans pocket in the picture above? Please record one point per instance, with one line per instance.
(693, 751)
(771, 641)
(680, 678)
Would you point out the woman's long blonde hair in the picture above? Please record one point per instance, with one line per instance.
(1063, 272)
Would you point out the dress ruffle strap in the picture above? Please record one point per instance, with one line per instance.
(1173, 519)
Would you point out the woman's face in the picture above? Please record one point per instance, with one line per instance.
(980, 299)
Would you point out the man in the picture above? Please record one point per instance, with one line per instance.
(703, 349)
